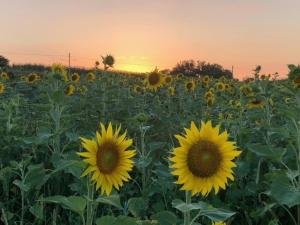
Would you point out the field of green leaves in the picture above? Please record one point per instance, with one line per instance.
(50, 134)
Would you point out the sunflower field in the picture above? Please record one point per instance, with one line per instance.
(102, 148)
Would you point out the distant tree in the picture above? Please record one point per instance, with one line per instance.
(186, 67)
(200, 68)
(108, 61)
(4, 62)
(294, 71)
(165, 71)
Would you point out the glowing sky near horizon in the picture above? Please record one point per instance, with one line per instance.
(144, 34)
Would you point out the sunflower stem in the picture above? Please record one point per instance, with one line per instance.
(90, 201)
(143, 158)
(188, 200)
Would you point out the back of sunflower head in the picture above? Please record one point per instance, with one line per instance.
(61, 70)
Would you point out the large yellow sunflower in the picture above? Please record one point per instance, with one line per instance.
(203, 160)
(154, 80)
(108, 158)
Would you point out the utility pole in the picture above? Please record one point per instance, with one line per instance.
(69, 65)
(232, 70)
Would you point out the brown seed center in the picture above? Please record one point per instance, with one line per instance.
(154, 78)
(189, 86)
(31, 78)
(74, 77)
(204, 159)
(107, 157)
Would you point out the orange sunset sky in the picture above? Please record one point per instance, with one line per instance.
(144, 34)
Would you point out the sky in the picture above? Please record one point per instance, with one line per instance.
(143, 34)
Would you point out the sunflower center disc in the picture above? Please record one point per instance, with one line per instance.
(153, 79)
(107, 157)
(189, 86)
(204, 159)
(31, 78)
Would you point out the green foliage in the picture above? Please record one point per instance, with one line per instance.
(4, 62)
(40, 174)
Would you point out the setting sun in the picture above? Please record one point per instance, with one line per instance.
(135, 68)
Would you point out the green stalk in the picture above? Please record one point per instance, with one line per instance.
(143, 158)
(4, 217)
(298, 163)
(188, 200)
(83, 219)
(22, 196)
(90, 201)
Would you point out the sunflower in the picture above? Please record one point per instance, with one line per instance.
(203, 160)
(179, 75)
(227, 87)
(296, 82)
(223, 79)
(219, 223)
(75, 77)
(31, 78)
(246, 90)
(209, 94)
(154, 80)
(190, 86)
(83, 89)
(2, 88)
(220, 86)
(212, 90)
(108, 158)
(271, 102)
(91, 76)
(70, 90)
(225, 116)
(61, 70)
(171, 91)
(255, 104)
(4, 76)
(235, 103)
(210, 101)
(206, 79)
(137, 89)
(205, 84)
(287, 100)
(168, 79)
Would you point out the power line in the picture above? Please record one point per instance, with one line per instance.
(65, 58)
(35, 54)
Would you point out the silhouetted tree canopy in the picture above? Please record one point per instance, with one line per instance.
(200, 68)
(3, 62)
